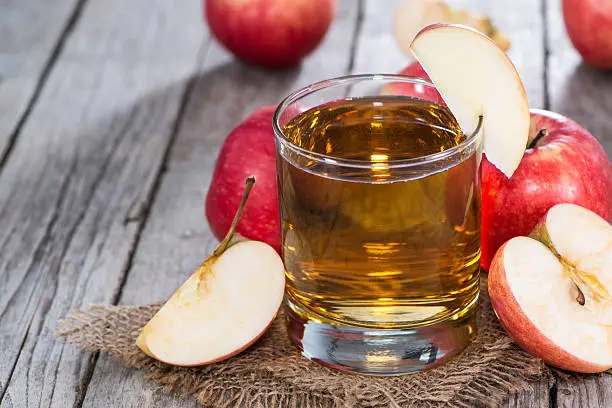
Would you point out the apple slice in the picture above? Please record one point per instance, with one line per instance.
(587, 257)
(552, 297)
(413, 15)
(223, 308)
(476, 78)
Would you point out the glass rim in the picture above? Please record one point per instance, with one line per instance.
(362, 163)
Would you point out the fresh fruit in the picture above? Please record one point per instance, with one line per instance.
(413, 89)
(562, 163)
(223, 308)
(414, 15)
(552, 295)
(270, 33)
(248, 150)
(589, 25)
(476, 79)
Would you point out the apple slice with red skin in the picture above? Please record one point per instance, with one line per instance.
(552, 295)
(563, 163)
(223, 308)
(477, 80)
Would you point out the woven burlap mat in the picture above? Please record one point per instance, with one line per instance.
(272, 374)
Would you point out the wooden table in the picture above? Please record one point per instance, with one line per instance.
(111, 115)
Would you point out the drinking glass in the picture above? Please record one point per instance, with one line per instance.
(380, 207)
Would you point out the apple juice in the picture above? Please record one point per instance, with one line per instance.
(374, 234)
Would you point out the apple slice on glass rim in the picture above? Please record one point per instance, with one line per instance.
(552, 292)
(476, 78)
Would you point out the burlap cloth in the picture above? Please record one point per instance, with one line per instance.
(272, 374)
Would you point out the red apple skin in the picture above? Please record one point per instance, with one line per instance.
(414, 90)
(270, 33)
(249, 150)
(567, 166)
(589, 26)
(522, 330)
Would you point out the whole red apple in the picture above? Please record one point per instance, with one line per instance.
(270, 33)
(564, 163)
(414, 89)
(249, 150)
(589, 26)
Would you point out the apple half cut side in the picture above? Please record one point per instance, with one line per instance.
(223, 308)
(413, 15)
(476, 78)
(539, 302)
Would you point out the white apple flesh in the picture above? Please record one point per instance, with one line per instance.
(414, 15)
(538, 293)
(476, 78)
(223, 308)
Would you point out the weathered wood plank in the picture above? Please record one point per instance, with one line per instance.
(31, 33)
(76, 187)
(537, 396)
(176, 237)
(584, 392)
(575, 89)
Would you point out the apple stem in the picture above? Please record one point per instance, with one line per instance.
(534, 142)
(580, 298)
(250, 181)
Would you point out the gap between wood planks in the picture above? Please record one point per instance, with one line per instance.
(40, 84)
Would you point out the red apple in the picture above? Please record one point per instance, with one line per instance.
(414, 90)
(589, 25)
(270, 33)
(564, 164)
(552, 292)
(249, 150)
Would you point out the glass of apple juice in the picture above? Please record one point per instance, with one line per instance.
(380, 206)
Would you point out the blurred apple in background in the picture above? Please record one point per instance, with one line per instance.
(413, 89)
(589, 25)
(270, 33)
(249, 150)
(414, 15)
(563, 163)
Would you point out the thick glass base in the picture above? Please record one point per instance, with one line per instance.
(378, 351)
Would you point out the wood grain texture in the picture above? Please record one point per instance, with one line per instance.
(177, 238)
(536, 396)
(585, 95)
(74, 191)
(575, 89)
(585, 391)
(31, 33)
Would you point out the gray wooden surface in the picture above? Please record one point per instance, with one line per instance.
(111, 116)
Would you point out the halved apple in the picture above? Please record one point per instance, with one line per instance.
(476, 78)
(553, 296)
(223, 308)
(414, 15)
